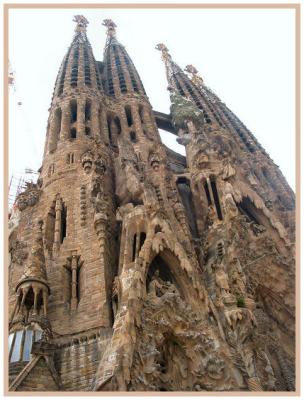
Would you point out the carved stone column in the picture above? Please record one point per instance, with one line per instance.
(95, 120)
(57, 234)
(104, 126)
(65, 121)
(74, 300)
(52, 138)
(80, 118)
(100, 222)
(137, 243)
(137, 126)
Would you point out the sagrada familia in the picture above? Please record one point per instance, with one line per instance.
(135, 268)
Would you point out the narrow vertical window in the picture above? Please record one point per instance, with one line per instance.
(129, 115)
(184, 190)
(216, 197)
(87, 111)
(63, 222)
(88, 131)
(10, 342)
(17, 347)
(117, 126)
(134, 248)
(207, 192)
(73, 107)
(109, 121)
(27, 347)
(142, 239)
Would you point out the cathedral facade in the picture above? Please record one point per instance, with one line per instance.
(134, 268)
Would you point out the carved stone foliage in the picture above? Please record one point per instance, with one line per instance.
(18, 251)
(176, 350)
(184, 110)
(29, 197)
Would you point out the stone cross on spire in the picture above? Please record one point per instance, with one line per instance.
(111, 32)
(196, 79)
(81, 22)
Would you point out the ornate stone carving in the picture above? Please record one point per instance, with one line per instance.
(87, 161)
(29, 197)
(18, 251)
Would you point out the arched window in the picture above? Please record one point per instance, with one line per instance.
(73, 133)
(88, 131)
(70, 158)
(133, 137)
(160, 269)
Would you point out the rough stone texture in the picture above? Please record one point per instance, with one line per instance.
(144, 269)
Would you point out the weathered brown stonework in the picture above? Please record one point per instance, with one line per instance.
(133, 268)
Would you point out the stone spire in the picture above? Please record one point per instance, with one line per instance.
(111, 28)
(78, 80)
(223, 115)
(121, 75)
(78, 68)
(33, 289)
(172, 68)
(189, 88)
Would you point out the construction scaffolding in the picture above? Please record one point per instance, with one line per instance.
(18, 183)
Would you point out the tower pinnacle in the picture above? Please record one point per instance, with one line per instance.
(111, 31)
(165, 52)
(195, 77)
(81, 22)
